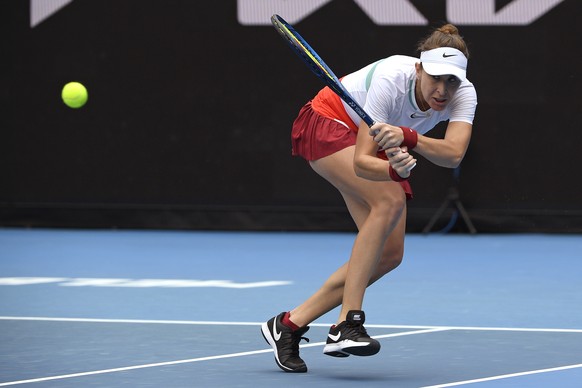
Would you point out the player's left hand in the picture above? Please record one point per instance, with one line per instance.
(400, 160)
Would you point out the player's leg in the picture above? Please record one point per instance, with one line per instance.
(386, 203)
(280, 332)
(284, 340)
(330, 295)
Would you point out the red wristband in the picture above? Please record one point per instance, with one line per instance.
(410, 137)
(394, 175)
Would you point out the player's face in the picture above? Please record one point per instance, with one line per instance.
(437, 90)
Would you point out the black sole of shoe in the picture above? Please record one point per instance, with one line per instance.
(362, 351)
(354, 350)
(337, 354)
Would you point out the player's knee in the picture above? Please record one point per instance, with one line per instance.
(391, 258)
(390, 206)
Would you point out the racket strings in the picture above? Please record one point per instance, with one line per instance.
(304, 52)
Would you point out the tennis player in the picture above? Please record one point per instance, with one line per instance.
(406, 97)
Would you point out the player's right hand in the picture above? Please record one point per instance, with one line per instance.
(386, 135)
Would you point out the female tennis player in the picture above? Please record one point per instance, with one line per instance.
(406, 97)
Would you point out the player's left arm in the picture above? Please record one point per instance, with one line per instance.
(449, 151)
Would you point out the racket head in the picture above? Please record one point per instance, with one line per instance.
(314, 62)
(305, 52)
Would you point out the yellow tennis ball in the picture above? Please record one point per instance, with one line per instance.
(74, 94)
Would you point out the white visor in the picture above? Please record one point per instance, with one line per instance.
(445, 60)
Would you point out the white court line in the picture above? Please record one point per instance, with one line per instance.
(384, 336)
(122, 369)
(421, 330)
(532, 372)
(175, 322)
(158, 364)
(101, 320)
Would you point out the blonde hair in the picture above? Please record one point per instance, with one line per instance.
(445, 36)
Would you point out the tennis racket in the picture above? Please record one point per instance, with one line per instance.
(317, 66)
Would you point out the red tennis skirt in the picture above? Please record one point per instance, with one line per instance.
(314, 136)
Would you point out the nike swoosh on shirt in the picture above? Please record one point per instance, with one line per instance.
(335, 337)
(417, 116)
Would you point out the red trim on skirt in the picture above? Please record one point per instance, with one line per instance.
(314, 136)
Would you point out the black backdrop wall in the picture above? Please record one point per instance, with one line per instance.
(191, 102)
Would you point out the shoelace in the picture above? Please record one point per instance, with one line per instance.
(358, 328)
(297, 337)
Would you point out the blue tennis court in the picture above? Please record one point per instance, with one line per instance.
(183, 309)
